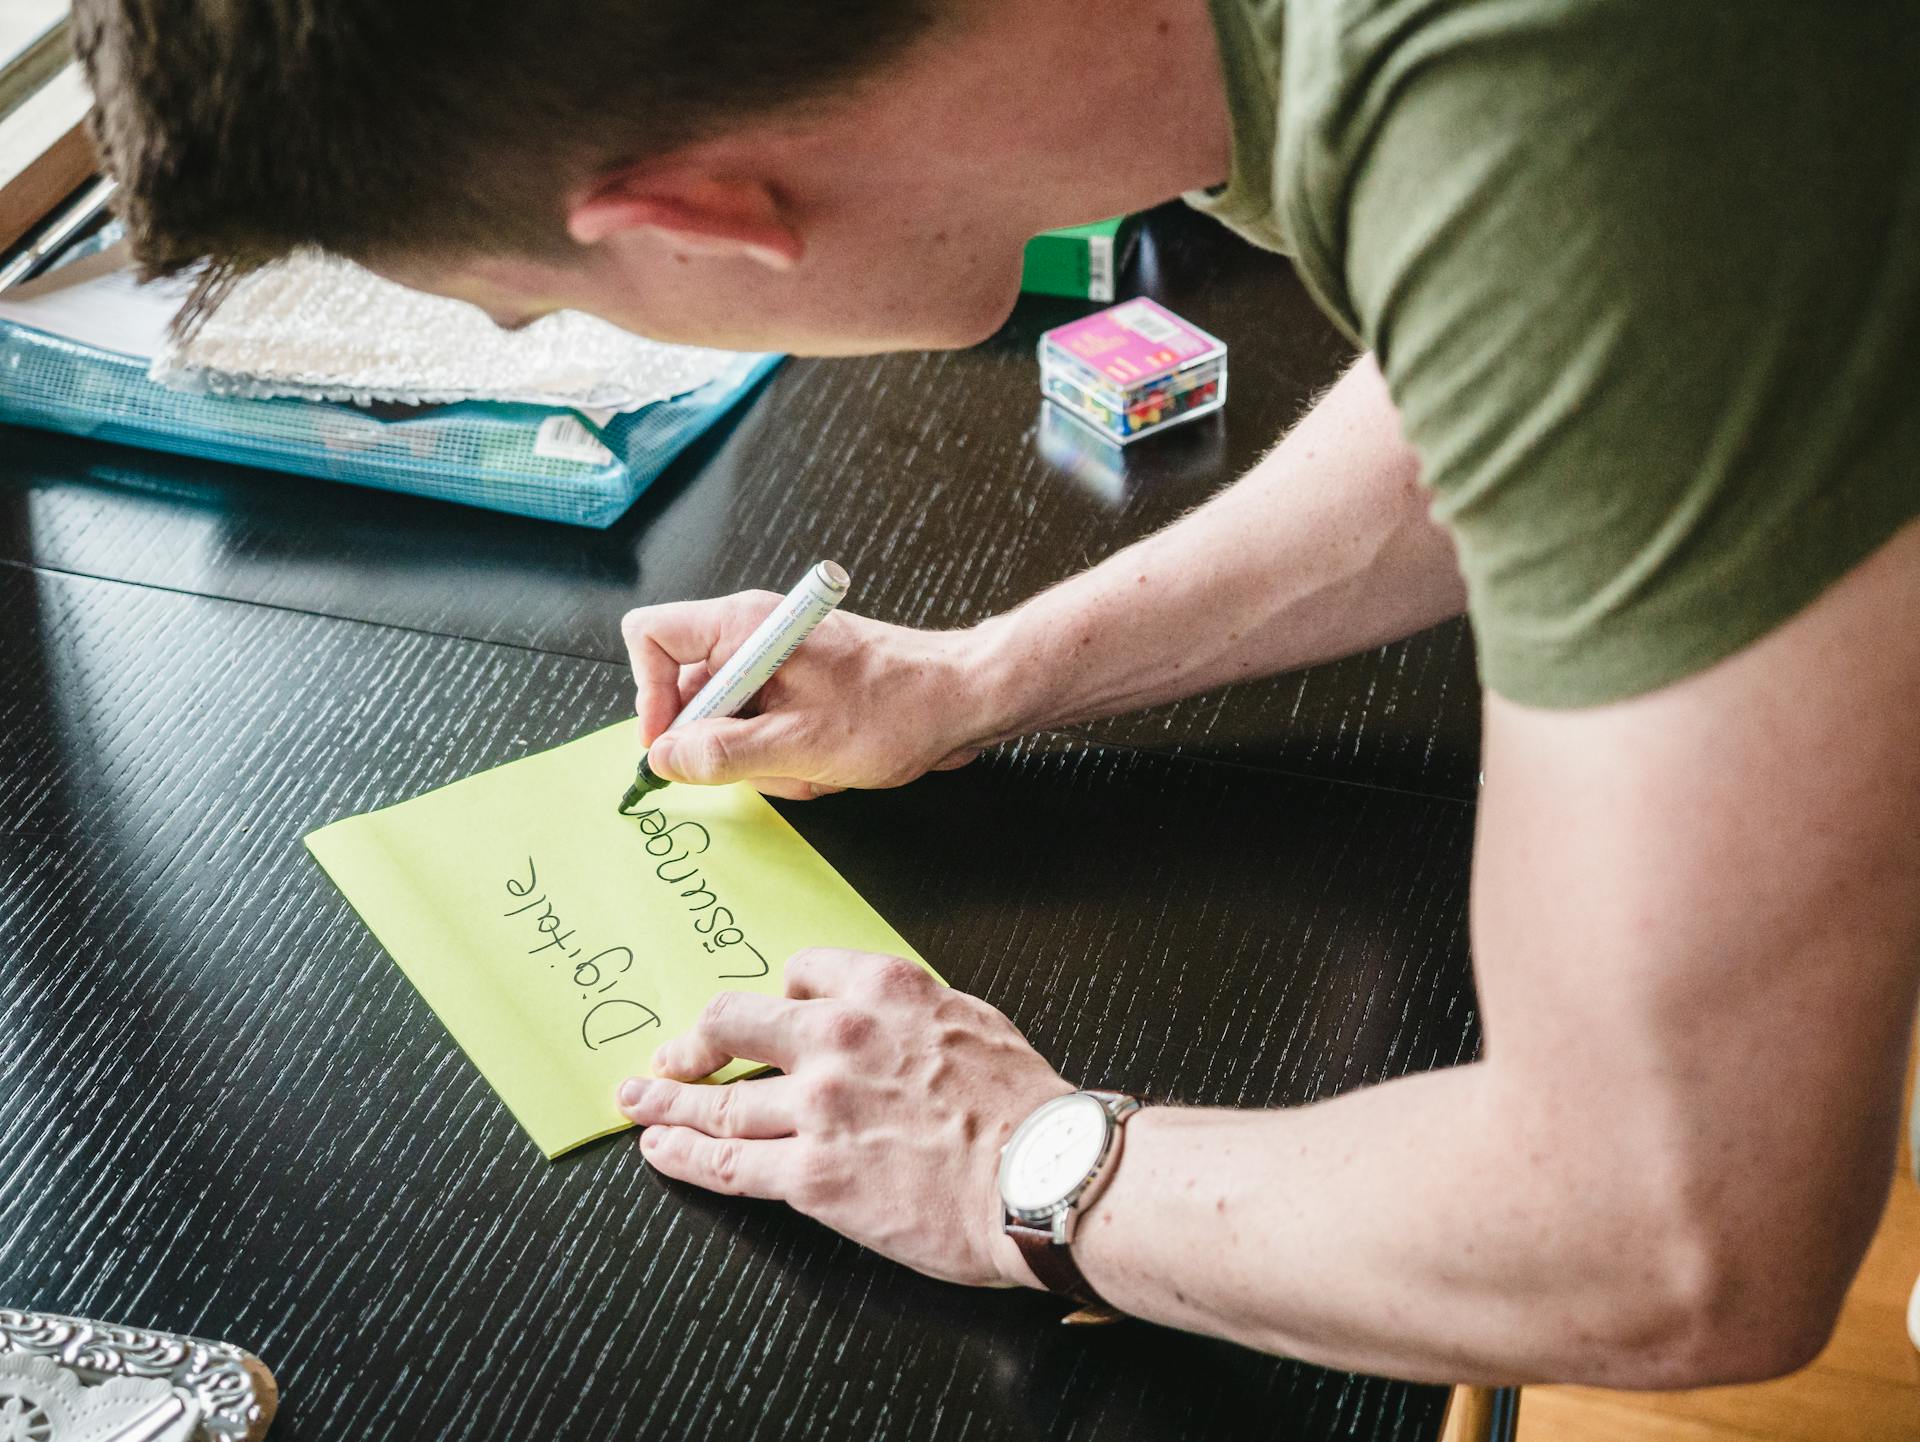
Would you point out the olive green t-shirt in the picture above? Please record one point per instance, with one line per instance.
(1643, 277)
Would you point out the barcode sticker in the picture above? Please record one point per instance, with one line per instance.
(565, 438)
(1099, 267)
(1144, 321)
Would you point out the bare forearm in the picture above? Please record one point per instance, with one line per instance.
(1323, 549)
(1696, 925)
(1411, 1229)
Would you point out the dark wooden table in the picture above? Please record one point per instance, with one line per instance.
(223, 1110)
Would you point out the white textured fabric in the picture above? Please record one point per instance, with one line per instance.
(326, 329)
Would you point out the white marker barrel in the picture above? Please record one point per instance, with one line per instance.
(760, 655)
(772, 641)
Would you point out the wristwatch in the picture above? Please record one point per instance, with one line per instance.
(1058, 1160)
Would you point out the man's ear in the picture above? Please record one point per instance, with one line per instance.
(697, 214)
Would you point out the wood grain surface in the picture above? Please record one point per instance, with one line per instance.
(929, 476)
(224, 1111)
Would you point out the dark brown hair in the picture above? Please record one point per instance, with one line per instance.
(241, 130)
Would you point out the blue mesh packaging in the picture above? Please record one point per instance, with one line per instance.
(553, 465)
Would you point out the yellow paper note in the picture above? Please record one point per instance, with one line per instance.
(561, 942)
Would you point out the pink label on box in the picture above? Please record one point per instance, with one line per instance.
(1132, 342)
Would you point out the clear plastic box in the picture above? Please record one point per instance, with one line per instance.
(1133, 369)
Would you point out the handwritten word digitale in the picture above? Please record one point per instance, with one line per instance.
(612, 1017)
(719, 932)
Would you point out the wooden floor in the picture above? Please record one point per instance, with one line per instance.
(1864, 1388)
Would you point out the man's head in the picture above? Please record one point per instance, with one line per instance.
(753, 173)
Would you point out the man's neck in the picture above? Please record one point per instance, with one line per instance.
(1052, 114)
(1125, 103)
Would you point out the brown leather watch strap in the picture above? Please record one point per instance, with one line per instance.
(1053, 1265)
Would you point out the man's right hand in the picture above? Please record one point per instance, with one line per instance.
(860, 704)
(1323, 549)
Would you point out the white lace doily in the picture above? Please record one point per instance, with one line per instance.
(326, 329)
(40, 1401)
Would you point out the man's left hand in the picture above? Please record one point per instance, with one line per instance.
(887, 1124)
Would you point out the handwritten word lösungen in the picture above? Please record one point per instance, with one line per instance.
(676, 844)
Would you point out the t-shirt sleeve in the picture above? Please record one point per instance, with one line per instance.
(1648, 298)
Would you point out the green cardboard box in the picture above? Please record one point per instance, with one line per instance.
(1080, 261)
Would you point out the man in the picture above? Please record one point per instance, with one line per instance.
(1639, 286)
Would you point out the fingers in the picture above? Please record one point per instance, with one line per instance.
(787, 788)
(780, 1030)
(732, 748)
(827, 972)
(742, 1024)
(739, 1168)
(692, 678)
(661, 640)
(757, 1109)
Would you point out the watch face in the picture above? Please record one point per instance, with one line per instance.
(1053, 1152)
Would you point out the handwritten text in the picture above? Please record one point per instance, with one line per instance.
(609, 1018)
(719, 931)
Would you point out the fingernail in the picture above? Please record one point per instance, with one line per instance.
(631, 1090)
(660, 755)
